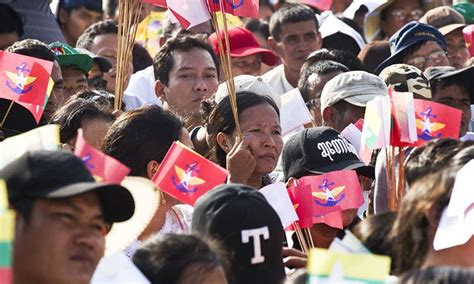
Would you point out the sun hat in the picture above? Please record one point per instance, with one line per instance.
(249, 83)
(147, 200)
(445, 18)
(406, 78)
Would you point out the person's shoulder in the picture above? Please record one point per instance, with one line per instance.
(273, 74)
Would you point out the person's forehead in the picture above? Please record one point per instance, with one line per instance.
(427, 48)
(84, 9)
(455, 35)
(246, 58)
(298, 28)
(104, 43)
(70, 72)
(194, 58)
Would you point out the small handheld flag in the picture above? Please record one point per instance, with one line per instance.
(24, 78)
(303, 203)
(334, 191)
(186, 175)
(102, 167)
(434, 120)
(242, 8)
(324, 266)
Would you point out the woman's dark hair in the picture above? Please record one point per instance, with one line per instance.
(72, 115)
(102, 98)
(438, 274)
(374, 233)
(221, 120)
(170, 258)
(140, 136)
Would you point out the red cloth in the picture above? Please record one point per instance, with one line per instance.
(102, 167)
(186, 175)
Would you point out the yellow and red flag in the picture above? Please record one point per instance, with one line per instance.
(434, 121)
(186, 175)
(23, 78)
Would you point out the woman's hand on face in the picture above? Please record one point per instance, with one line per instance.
(240, 161)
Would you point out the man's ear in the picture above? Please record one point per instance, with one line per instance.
(273, 44)
(329, 117)
(224, 142)
(160, 90)
(152, 168)
(62, 15)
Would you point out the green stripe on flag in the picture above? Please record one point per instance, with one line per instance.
(5, 254)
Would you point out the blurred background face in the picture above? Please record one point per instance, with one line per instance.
(73, 23)
(250, 65)
(458, 53)
(428, 55)
(106, 46)
(400, 13)
(74, 80)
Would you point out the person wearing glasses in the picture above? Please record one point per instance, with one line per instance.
(419, 45)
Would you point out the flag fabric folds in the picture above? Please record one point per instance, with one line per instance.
(103, 167)
(186, 175)
(241, 8)
(23, 78)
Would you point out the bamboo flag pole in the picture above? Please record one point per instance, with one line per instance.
(128, 17)
(226, 62)
(6, 114)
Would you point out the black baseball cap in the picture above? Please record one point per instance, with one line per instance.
(321, 150)
(58, 174)
(464, 76)
(237, 214)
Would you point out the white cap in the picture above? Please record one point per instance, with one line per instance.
(248, 83)
(355, 87)
(333, 25)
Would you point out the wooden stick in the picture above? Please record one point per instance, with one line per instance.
(401, 175)
(310, 237)
(303, 243)
(6, 114)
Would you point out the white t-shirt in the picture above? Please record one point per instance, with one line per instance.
(277, 80)
(141, 90)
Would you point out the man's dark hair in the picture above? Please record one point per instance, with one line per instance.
(33, 48)
(71, 116)
(141, 58)
(258, 26)
(10, 21)
(432, 157)
(171, 257)
(163, 61)
(290, 13)
(346, 58)
(142, 135)
(437, 84)
(86, 39)
(24, 207)
(438, 274)
(322, 67)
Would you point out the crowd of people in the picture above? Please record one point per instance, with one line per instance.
(337, 60)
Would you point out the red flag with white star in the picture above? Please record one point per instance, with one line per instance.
(24, 79)
(434, 120)
(186, 175)
(334, 191)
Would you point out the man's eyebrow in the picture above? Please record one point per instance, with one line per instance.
(69, 203)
